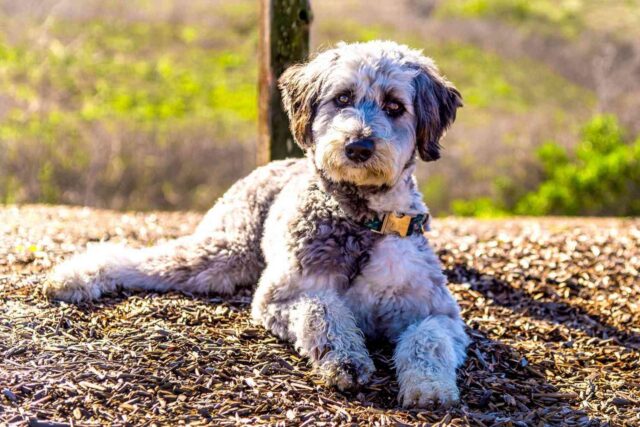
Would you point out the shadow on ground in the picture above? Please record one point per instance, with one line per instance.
(498, 384)
(559, 312)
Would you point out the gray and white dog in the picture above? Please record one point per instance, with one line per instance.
(335, 241)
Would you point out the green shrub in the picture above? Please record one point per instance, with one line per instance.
(601, 178)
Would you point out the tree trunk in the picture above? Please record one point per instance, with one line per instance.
(284, 40)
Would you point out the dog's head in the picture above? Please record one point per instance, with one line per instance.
(362, 110)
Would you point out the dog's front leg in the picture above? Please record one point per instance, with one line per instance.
(426, 358)
(323, 329)
(326, 332)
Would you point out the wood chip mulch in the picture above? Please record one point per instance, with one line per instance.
(552, 305)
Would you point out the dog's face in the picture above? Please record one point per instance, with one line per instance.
(362, 110)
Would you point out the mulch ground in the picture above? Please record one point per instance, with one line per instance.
(552, 306)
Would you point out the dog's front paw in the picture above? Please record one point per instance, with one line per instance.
(346, 371)
(422, 391)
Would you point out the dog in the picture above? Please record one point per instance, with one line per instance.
(335, 241)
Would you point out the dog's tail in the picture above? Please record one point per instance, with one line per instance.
(191, 264)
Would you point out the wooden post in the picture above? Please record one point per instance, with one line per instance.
(284, 40)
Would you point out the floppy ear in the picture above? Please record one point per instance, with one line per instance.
(435, 106)
(300, 90)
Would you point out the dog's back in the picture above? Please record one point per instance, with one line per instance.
(240, 213)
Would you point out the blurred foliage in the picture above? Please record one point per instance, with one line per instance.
(562, 15)
(137, 71)
(491, 82)
(602, 177)
(145, 105)
(568, 18)
(92, 88)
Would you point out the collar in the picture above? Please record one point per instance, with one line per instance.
(400, 224)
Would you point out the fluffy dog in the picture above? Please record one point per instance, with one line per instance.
(335, 241)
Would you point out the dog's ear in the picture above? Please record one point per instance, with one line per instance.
(300, 90)
(435, 105)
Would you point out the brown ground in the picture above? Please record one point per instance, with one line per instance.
(552, 306)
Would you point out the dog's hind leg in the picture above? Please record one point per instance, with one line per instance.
(191, 264)
(222, 254)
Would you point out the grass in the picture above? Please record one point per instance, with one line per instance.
(142, 78)
(130, 71)
(567, 18)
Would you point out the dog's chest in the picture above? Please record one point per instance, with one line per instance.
(401, 283)
(335, 248)
(326, 243)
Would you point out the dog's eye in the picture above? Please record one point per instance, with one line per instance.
(393, 108)
(343, 100)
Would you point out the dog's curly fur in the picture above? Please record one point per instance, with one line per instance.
(325, 282)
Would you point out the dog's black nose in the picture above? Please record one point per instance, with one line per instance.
(360, 150)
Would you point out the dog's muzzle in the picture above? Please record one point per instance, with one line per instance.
(360, 151)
